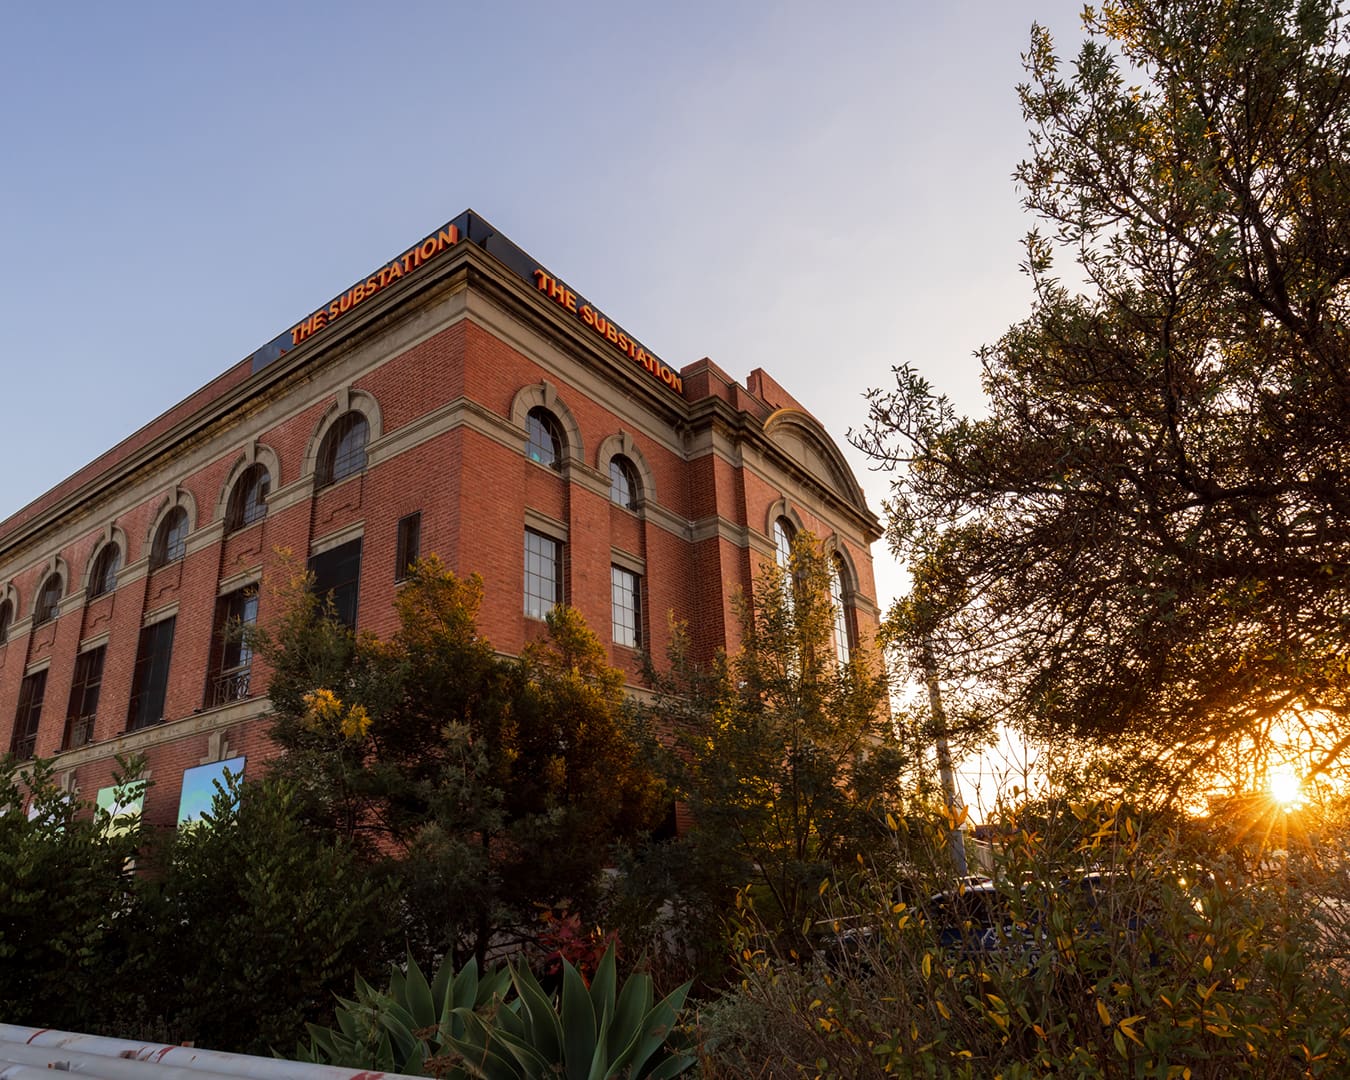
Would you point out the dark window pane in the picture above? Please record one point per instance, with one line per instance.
(103, 578)
(543, 438)
(248, 500)
(151, 680)
(6, 617)
(543, 574)
(48, 601)
(232, 658)
(31, 692)
(623, 482)
(170, 539)
(337, 575)
(343, 450)
(409, 545)
(84, 698)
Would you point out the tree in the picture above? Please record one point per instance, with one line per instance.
(485, 787)
(269, 920)
(785, 756)
(67, 901)
(1145, 539)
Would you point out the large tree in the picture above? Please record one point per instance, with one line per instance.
(1146, 538)
(786, 755)
(486, 787)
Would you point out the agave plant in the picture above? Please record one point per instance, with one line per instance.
(504, 1026)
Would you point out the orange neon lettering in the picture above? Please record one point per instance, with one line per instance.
(588, 315)
(429, 248)
(448, 237)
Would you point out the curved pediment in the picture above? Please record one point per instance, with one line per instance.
(800, 435)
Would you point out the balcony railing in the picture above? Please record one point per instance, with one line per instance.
(24, 746)
(230, 685)
(79, 731)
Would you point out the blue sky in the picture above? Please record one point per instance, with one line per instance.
(822, 191)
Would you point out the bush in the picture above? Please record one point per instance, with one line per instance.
(1159, 968)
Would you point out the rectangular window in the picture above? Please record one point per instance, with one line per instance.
(31, 692)
(150, 682)
(626, 594)
(84, 698)
(337, 577)
(543, 574)
(409, 544)
(231, 657)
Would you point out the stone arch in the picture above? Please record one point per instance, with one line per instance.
(545, 395)
(179, 496)
(782, 508)
(622, 443)
(833, 548)
(801, 437)
(111, 534)
(345, 400)
(254, 453)
(53, 567)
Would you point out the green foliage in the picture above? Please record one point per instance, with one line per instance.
(1166, 968)
(481, 786)
(67, 899)
(785, 756)
(505, 1025)
(1144, 539)
(268, 920)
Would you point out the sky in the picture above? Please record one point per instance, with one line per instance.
(823, 191)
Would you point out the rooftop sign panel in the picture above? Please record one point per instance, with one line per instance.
(469, 226)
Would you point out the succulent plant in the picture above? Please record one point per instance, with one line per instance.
(504, 1026)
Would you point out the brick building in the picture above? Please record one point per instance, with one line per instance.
(461, 400)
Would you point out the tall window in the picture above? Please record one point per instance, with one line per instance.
(170, 539)
(83, 698)
(48, 601)
(6, 617)
(624, 488)
(543, 438)
(248, 500)
(150, 682)
(232, 658)
(782, 544)
(103, 578)
(409, 545)
(626, 604)
(840, 604)
(31, 692)
(343, 450)
(543, 574)
(337, 579)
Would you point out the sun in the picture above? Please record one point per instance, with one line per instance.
(1284, 787)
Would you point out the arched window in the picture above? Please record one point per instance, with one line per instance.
(624, 487)
(343, 450)
(248, 500)
(840, 603)
(6, 617)
(48, 600)
(543, 438)
(170, 539)
(782, 543)
(103, 578)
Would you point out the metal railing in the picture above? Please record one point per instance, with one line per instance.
(79, 731)
(230, 685)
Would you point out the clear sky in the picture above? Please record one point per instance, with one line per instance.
(821, 190)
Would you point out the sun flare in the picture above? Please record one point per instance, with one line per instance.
(1284, 787)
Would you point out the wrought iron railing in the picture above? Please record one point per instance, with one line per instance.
(79, 731)
(231, 685)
